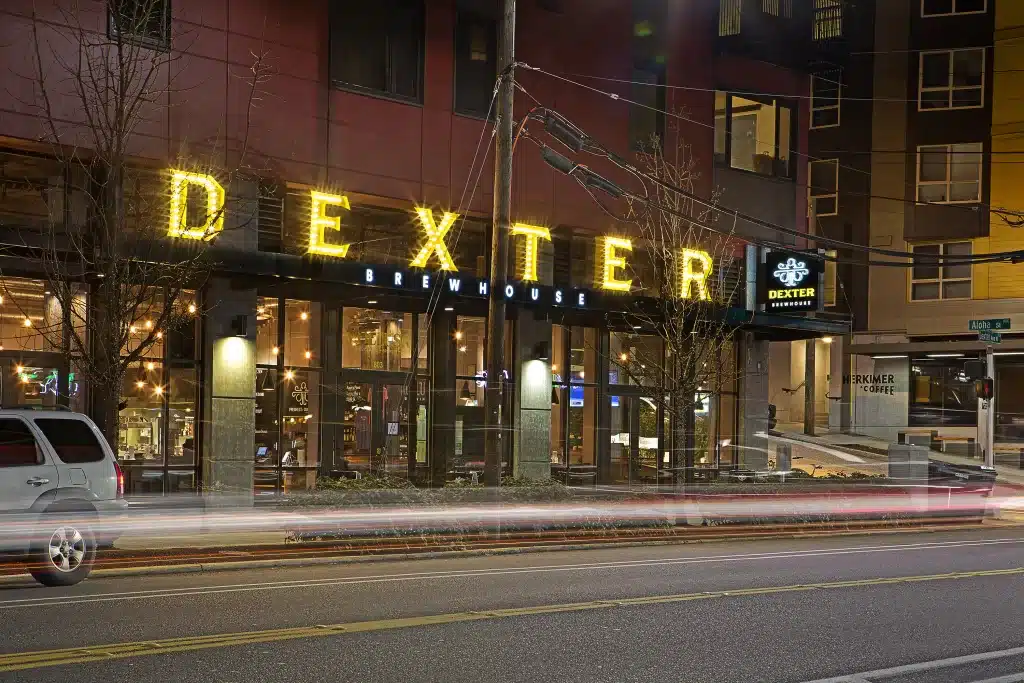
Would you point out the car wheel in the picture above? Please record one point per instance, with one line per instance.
(66, 556)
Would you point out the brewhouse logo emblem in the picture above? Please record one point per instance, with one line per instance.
(301, 394)
(792, 272)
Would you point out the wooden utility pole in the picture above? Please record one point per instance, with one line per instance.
(499, 249)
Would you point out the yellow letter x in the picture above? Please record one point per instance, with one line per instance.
(435, 240)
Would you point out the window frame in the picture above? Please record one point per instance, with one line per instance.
(948, 182)
(338, 84)
(776, 102)
(161, 43)
(953, 12)
(460, 16)
(950, 88)
(941, 280)
(837, 107)
(812, 196)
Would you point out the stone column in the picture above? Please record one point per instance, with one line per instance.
(229, 388)
(532, 458)
(753, 401)
(810, 378)
(442, 396)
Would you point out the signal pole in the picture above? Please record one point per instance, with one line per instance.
(501, 220)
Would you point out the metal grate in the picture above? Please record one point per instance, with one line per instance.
(270, 215)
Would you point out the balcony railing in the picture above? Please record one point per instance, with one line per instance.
(828, 19)
(730, 13)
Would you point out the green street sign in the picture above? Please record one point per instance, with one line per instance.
(990, 337)
(989, 324)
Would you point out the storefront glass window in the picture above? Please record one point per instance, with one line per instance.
(635, 359)
(140, 434)
(30, 319)
(559, 369)
(469, 340)
(301, 333)
(377, 340)
(267, 423)
(941, 394)
(181, 418)
(267, 341)
(1009, 399)
(583, 355)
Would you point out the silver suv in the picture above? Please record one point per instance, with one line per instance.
(58, 481)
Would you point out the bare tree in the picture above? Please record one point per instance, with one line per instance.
(103, 79)
(692, 268)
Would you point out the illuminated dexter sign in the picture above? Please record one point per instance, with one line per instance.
(790, 282)
(611, 273)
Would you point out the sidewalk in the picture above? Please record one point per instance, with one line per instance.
(873, 449)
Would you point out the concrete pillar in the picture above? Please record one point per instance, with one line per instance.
(532, 459)
(442, 396)
(229, 387)
(810, 347)
(753, 401)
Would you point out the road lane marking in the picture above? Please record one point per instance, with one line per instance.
(61, 600)
(19, 661)
(922, 667)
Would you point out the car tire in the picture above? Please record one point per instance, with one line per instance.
(64, 554)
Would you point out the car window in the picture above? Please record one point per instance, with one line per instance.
(17, 444)
(73, 440)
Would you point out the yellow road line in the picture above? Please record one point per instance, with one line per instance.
(18, 661)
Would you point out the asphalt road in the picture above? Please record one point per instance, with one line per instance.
(780, 611)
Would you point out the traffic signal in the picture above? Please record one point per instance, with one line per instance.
(983, 387)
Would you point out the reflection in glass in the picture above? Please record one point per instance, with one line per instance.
(266, 418)
(139, 436)
(267, 342)
(378, 340)
(181, 417)
(583, 351)
(302, 333)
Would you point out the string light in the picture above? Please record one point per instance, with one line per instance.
(151, 366)
(27, 322)
(623, 357)
(20, 369)
(133, 329)
(149, 324)
(288, 374)
(309, 355)
(192, 308)
(159, 390)
(275, 350)
(304, 316)
(458, 335)
(159, 335)
(140, 384)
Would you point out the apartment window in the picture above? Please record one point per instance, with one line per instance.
(379, 48)
(145, 21)
(931, 282)
(825, 95)
(951, 79)
(646, 120)
(943, 8)
(828, 19)
(754, 135)
(824, 187)
(476, 63)
(949, 174)
(778, 8)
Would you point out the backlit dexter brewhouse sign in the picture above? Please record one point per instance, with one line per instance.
(791, 281)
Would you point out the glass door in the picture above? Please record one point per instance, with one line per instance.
(635, 442)
(394, 401)
(357, 423)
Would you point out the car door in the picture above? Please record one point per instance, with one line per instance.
(26, 472)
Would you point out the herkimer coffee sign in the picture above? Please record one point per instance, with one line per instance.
(791, 281)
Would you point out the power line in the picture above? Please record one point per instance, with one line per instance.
(576, 138)
(904, 200)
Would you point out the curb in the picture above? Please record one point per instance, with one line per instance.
(192, 568)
